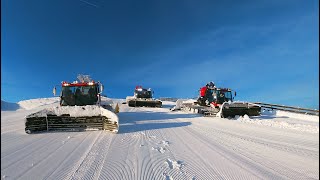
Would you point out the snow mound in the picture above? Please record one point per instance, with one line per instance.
(280, 113)
(174, 164)
(269, 112)
(305, 117)
(76, 111)
(279, 123)
(180, 102)
(165, 143)
(7, 106)
(34, 103)
(106, 100)
(160, 149)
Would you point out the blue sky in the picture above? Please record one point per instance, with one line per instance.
(265, 50)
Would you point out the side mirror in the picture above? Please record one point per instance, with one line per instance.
(54, 91)
(101, 88)
(235, 93)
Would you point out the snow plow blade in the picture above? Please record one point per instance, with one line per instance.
(88, 118)
(145, 103)
(240, 109)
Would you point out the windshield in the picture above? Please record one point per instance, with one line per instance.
(143, 93)
(228, 95)
(79, 95)
(222, 96)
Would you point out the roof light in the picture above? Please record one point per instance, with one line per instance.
(139, 89)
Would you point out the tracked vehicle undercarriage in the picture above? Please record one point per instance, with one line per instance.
(143, 98)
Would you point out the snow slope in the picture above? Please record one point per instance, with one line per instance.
(155, 143)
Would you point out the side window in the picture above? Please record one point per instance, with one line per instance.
(86, 90)
(228, 95)
(214, 94)
(77, 91)
(73, 89)
(210, 92)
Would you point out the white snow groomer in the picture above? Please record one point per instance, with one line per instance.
(219, 101)
(143, 97)
(80, 109)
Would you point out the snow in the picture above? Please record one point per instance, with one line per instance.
(156, 143)
(35, 103)
(179, 103)
(174, 164)
(301, 122)
(75, 111)
(112, 102)
(298, 116)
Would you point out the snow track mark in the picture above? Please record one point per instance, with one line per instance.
(91, 165)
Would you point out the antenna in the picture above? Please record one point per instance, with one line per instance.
(84, 78)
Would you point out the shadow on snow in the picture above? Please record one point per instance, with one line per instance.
(266, 117)
(129, 117)
(129, 128)
(130, 121)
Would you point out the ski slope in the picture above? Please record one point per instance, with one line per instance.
(156, 143)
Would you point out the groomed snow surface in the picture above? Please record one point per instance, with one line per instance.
(156, 143)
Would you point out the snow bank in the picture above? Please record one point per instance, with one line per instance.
(106, 100)
(279, 123)
(180, 102)
(189, 101)
(280, 113)
(298, 116)
(111, 102)
(128, 98)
